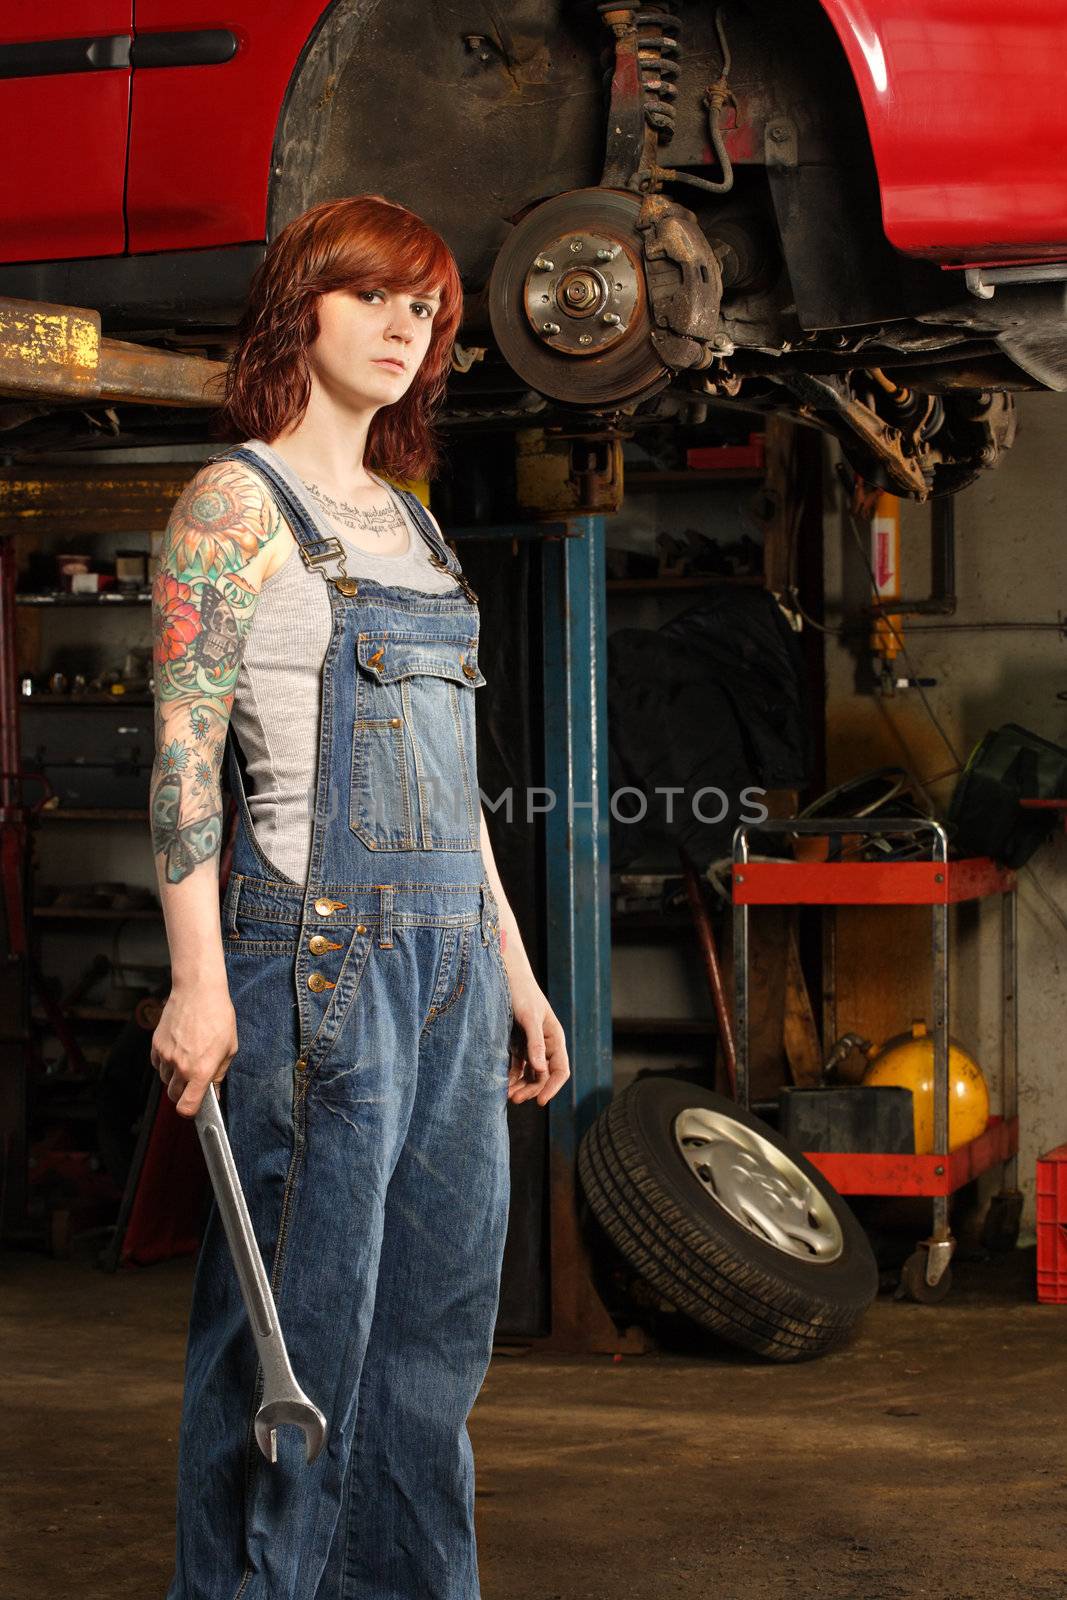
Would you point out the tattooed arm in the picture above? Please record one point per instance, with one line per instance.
(216, 550)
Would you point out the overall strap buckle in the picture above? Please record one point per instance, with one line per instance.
(315, 553)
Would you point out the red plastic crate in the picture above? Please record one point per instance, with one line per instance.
(1052, 1227)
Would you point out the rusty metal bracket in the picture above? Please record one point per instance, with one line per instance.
(561, 472)
(50, 352)
(780, 143)
(630, 146)
(818, 399)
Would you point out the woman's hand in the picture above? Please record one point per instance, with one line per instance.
(539, 1064)
(194, 1043)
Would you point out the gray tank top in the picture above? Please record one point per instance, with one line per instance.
(277, 697)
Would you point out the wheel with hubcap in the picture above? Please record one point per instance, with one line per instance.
(732, 1225)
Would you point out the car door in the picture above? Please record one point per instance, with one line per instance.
(64, 116)
(208, 89)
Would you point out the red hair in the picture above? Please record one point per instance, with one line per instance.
(363, 242)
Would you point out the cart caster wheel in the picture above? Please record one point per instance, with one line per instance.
(913, 1284)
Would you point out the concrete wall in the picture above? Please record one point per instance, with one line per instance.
(1009, 567)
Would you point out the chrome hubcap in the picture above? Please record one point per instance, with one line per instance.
(758, 1185)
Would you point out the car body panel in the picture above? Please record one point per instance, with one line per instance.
(202, 138)
(64, 138)
(963, 101)
(967, 114)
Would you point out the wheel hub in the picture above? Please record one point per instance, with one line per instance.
(758, 1185)
(580, 293)
(569, 303)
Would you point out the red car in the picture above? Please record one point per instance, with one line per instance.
(853, 209)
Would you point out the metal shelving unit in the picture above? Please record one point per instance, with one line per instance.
(937, 883)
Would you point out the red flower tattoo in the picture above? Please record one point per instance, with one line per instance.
(179, 618)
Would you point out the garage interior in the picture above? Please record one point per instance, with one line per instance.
(784, 1287)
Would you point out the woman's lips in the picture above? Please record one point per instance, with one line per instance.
(386, 361)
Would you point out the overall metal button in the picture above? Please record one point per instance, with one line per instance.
(471, 672)
(396, 722)
(360, 928)
(317, 982)
(326, 907)
(318, 944)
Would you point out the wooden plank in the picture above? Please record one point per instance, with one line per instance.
(780, 493)
(802, 1048)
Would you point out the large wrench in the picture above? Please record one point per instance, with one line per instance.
(283, 1398)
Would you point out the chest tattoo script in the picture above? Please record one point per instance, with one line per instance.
(382, 521)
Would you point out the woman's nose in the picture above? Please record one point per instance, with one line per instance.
(401, 325)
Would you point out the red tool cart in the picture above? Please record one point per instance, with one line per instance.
(937, 883)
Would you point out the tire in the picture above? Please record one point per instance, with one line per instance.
(790, 1300)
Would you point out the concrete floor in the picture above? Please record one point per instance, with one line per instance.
(928, 1459)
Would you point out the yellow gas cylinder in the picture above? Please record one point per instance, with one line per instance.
(907, 1061)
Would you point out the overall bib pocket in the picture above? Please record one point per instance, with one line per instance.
(413, 783)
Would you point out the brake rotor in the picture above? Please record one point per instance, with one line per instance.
(569, 303)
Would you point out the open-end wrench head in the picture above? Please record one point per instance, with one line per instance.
(302, 1414)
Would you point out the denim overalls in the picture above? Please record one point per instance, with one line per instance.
(366, 1107)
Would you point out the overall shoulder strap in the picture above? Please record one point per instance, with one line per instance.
(315, 552)
(440, 554)
(426, 528)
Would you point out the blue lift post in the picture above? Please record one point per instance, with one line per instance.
(578, 901)
(577, 862)
(577, 894)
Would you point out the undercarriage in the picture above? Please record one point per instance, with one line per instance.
(659, 211)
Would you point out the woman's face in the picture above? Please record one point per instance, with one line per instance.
(370, 343)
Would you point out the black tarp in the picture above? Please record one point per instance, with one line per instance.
(713, 700)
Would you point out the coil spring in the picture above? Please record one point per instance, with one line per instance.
(658, 59)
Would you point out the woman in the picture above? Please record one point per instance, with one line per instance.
(356, 992)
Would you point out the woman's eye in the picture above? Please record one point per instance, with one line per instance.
(365, 294)
(427, 311)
